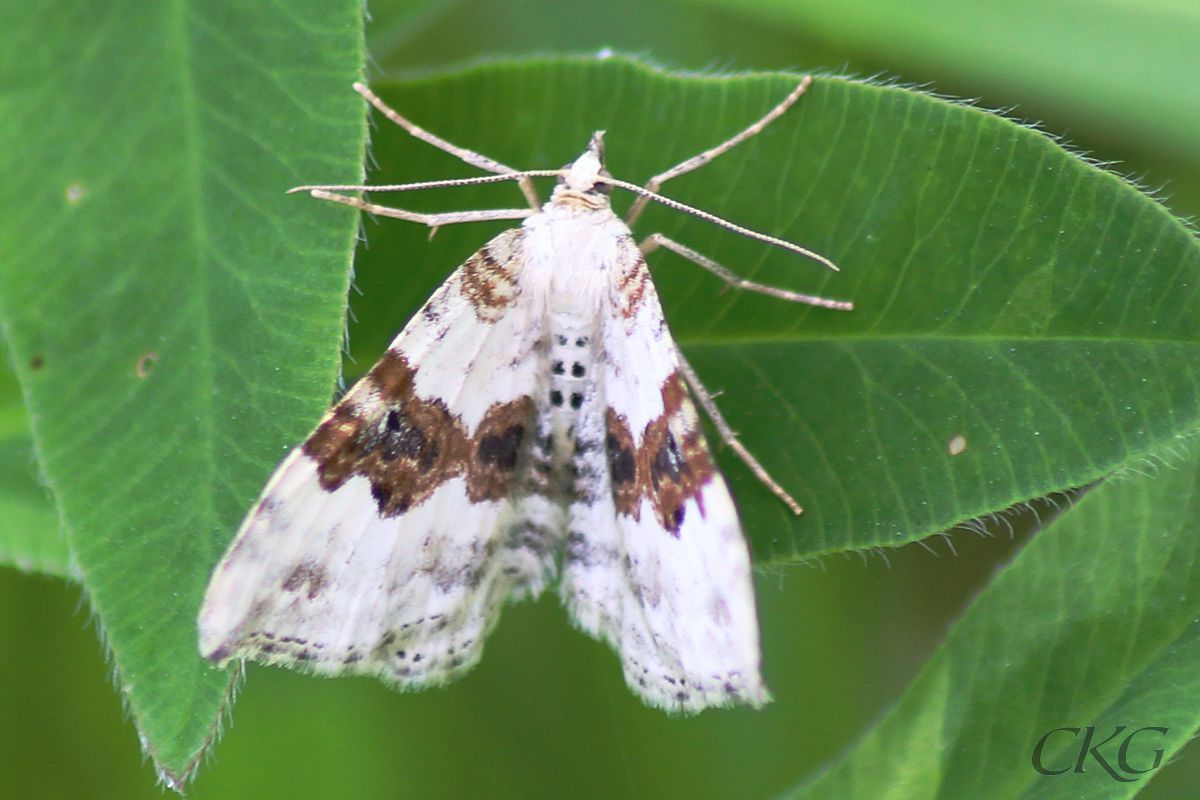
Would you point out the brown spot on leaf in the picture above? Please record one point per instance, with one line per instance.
(37, 362)
(145, 363)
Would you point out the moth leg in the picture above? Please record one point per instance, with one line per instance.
(730, 438)
(697, 161)
(477, 160)
(657, 240)
(432, 220)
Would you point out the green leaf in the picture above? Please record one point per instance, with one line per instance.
(173, 316)
(398, 25)
(30, 538)
(416, 36)
(1096, 623)
(1112, 65)
(1006, 292)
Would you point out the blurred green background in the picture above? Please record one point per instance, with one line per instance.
(842, 638)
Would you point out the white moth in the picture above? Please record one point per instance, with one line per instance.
(529, 428)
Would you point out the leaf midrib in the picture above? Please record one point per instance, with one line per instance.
(201, 299)
(191, 156)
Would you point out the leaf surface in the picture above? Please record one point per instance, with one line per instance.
(1094, 624)
(1114, 64)
(172, 315)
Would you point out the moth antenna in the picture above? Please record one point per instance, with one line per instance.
(440, 184)
(724, 223)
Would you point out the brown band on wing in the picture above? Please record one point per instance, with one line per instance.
(633, 278)
(489, 277)
(671, 465)
(498, 447)
(408, 446)
(622, 464)
(675, 455)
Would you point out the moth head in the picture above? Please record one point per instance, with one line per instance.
(587, 173)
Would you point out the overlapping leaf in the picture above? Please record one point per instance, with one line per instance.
(172, 315)
(1116, 63)
(1006, 292)
(1094, 625)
